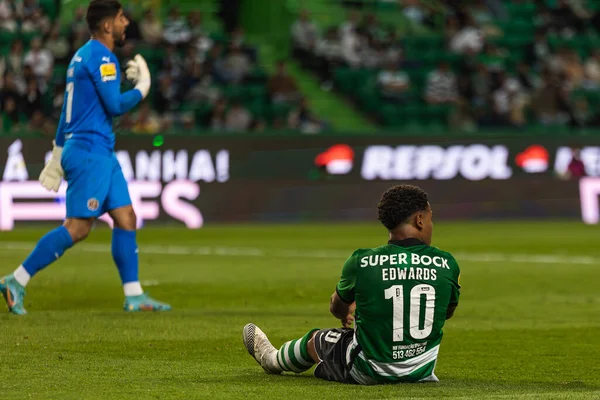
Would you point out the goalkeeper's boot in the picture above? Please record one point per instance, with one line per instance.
(259, 347)
(143, 302)
(13, 293)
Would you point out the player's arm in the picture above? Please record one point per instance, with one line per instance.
(455, 293)
(108, 86)
(342, 303)
(52, 174)
(59, 138)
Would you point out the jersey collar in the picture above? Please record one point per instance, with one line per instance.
(407, 242)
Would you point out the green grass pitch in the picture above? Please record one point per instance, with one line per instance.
(528, 325)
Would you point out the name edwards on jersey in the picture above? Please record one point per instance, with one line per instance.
(410, 271)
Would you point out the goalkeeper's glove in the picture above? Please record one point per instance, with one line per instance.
(52, 173)
(138, 72)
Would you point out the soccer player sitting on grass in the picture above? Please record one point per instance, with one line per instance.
(84, 154)
(398, 296)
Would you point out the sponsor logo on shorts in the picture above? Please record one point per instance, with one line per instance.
(92, 204)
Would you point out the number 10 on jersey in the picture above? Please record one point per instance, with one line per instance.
(396, 293)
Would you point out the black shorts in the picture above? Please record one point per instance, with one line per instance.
(332, 346)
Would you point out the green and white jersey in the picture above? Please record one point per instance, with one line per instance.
(402, 292)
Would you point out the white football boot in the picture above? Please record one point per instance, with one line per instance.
(259, 347)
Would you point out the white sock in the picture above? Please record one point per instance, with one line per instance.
(133, 289)
(22, 276)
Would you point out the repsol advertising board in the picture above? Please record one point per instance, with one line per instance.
(196, 179)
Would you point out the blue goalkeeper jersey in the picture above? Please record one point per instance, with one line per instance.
(92, 98)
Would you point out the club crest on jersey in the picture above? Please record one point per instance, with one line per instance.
(92, 204)
(108, 72)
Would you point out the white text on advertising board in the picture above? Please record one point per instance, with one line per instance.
(473, 162)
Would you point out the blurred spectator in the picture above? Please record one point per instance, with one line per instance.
(549, 101)
(302, 118)
(36, 22)
(32, 99)
(177, 30)
(2, 70)
(481, 85)
(581, 115)
(329, 56)
(282, 87)
(349, 26)
(15, 56)
(39, 124)
(58, 45)
(151, 28)
(573, 69)
(216, 120)
(195, 23)
(592, 70)
(258, 125)
(469, 37)
(146, 120)
(441, 85)
(237, 118)
(493, 58)
(461, 118)
(304, 32)
(40, 60)
(203, 44)
(372, 55)
(234, 67)
(166, 95)
(538, 52)
(11, 118)
(393, 83)
(508, 104)
(413, 10)
(527, 79)
(576, 167)
(188, 121)
(352, 43)
(483, 17)
(8, 16)
(11, 89)
(564, 20)
(238, 38)
(78, 33)
(79, 39)
(27, 8)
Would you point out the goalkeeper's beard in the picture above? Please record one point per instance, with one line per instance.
(120, 41)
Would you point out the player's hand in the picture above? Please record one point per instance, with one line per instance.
(52, 173)
(137, 71)
(349, 319)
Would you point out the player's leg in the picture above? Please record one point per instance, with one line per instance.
(331, 349)
(124, 245)
(85, 193)
(49, 249)
(293, 356)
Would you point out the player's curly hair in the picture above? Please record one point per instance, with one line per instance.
(98, 10)
(400, 202)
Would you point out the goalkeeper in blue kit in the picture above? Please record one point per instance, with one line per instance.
(84, 155)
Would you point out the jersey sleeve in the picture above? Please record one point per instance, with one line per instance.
(455, 294)
(346, 286)
(59, 139)
(107, 81)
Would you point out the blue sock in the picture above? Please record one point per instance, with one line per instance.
(124, 252)
(49, 249)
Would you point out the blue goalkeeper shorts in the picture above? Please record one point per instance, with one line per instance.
(95, 181)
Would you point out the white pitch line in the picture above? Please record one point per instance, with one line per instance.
(315, 254)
